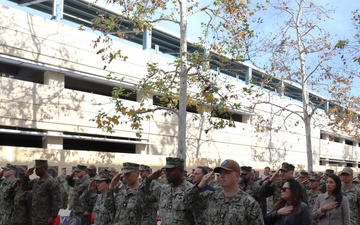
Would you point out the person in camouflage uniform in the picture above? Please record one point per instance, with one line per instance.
(112, 171)
(226, 206)
(22, 205)
(352, 192)
(100, 183)
(170, 196)
(303, 179)
(64, 188)
(270, 188)
(80, 184)
(92, 172)
(125, 204)
(199, 172)
(71, 192)
(162, 178)
(252, 187)
(148, 216)
(313, 193)
(7, 193)
(46, 195)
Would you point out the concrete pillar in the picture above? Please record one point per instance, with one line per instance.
(281, 88)
(53, 79)
(325, 137)
(50, 142)
(342, 141)
(248, 75)
(141, 149)
(326, 106)
(58, 10)
(147, 39)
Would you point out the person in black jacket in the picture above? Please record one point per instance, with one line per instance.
(290, 210)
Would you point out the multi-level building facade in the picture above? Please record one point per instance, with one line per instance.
(52, 82)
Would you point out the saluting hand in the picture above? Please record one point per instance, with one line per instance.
(275, 176)
(115, 181)
(29, 172)
(305, 181)
(155, 175)
(206, 179)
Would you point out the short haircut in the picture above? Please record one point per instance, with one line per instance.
(203, 169)
(209, 170)
(267, 167)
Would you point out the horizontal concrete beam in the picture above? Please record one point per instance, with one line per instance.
(30, 2)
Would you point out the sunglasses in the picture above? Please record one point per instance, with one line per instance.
(283, 189)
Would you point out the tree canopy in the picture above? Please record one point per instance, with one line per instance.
(301, 53)
(189, 82)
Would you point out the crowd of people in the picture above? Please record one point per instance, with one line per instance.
(228, 194)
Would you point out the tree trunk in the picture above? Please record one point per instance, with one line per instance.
(308, 144)
(304, 93)
(183, 82)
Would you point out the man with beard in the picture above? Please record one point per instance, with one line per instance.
(46, 197)
(170, 196)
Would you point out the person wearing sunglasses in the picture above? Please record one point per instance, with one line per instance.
(332, 206)
(289, 210)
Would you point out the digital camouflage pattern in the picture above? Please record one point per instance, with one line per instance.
(353, 195)
(124, 205)
(71, 198)
(253, 190)
(79, 186)
(46, 198)
(101, 214)
(200, 214)
(64, 189)
(7, 194)
(172, 162)
(172, 208)
(311, 197)
(322, 185)
(22, 206)
(239, 209)
(148, 216)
